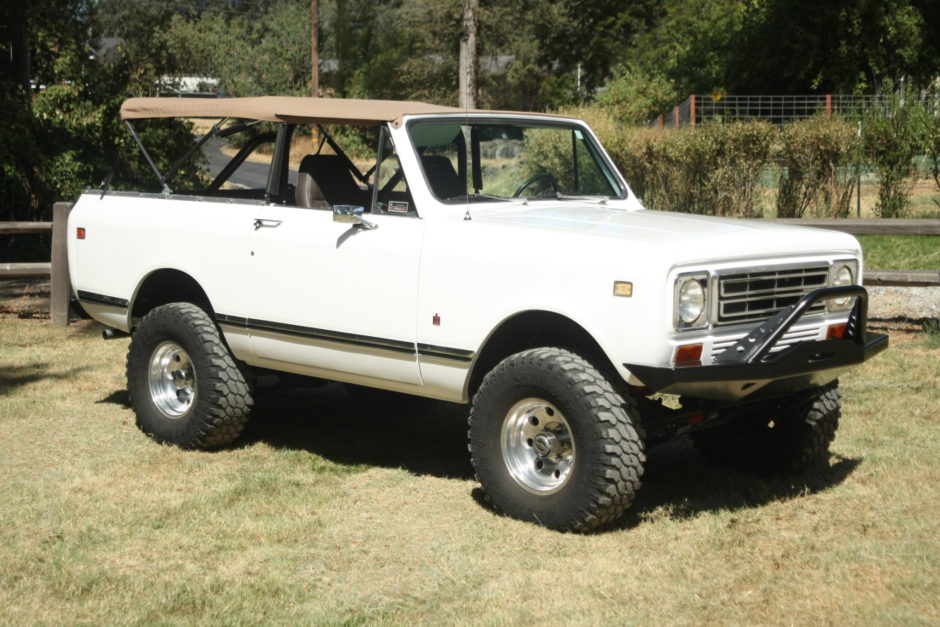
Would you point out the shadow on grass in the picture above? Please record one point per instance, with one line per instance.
(12, 377)
(118, 397)
(680, 483)
(327, 422)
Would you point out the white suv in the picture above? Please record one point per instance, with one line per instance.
(491, 258)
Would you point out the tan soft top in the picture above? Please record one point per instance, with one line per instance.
(280, 109)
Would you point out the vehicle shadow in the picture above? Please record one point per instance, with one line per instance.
(327, 422)
(679, 483)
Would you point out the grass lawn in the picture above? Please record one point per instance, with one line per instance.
(901, 252)
(326, 513)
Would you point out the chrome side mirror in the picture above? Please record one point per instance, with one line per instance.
(352, 214)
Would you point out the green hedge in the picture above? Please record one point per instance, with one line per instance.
(807, 168)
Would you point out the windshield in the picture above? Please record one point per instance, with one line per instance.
(487, 161)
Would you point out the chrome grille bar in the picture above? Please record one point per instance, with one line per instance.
(755, 296)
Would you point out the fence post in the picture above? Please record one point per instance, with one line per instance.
(828, 106)
(692, 110)
(60, 288)
(675, 117)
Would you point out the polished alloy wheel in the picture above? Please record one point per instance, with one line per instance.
(537, 446)
(172, 379)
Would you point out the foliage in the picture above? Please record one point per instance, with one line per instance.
(635, 96)
(818, 160)
(893, 133)
(932, 146)
(845, 46)
(66, 137)
(266, 52)
(581, 37)
(713, 170)
(690, 47)
(635, 59)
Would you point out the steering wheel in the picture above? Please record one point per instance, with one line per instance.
(538, 177)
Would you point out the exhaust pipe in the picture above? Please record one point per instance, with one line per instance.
(113, 334)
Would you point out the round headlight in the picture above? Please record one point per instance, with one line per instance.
(842, 277)
(691, 301)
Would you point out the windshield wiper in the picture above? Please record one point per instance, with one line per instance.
(598, 199)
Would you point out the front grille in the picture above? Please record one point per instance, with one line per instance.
(749, 297)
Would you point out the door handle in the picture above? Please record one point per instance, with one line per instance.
(267, 224)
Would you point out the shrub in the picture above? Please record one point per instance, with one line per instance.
(713, 170)
(818, 160)
(893, 133)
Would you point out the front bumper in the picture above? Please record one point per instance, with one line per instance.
(748, 366)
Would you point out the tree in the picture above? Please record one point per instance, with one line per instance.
(842, 46)
(64, 134)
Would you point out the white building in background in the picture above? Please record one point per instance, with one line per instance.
(204, 86)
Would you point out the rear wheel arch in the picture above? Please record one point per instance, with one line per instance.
(165, 286)
(534, 329)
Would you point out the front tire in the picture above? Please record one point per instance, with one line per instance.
(772, 439)
(551, 442)
(183, 382)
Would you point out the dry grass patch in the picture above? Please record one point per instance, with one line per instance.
(327, 513)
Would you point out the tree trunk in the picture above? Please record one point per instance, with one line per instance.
(314, 53)
(467, 83)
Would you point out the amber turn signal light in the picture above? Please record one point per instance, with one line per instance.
(688, 355)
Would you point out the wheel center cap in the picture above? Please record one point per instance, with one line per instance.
(543, 443)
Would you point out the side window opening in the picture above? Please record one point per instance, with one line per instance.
(332, 165)
(225, 158)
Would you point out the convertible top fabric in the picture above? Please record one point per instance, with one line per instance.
(280, 109)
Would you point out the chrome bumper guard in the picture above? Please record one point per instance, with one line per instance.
(749, 366)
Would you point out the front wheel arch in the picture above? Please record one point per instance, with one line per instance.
(534, 329)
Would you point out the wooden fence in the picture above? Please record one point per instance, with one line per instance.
(58, 268)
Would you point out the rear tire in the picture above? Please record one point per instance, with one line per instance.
(551, 442)
(769, 440)
(183, 382)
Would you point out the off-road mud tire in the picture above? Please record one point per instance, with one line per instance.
(767, 441)
(603, 477)
(218, 402)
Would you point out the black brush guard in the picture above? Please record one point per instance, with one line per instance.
(749, 366)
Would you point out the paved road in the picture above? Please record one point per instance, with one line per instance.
(250, 175)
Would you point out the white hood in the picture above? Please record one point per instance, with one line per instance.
(689, 238)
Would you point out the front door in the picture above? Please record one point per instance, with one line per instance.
(334, 300)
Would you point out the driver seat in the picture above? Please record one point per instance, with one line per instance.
(327, 179)
(308, 194)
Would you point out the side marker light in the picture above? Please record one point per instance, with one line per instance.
(623, 288)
